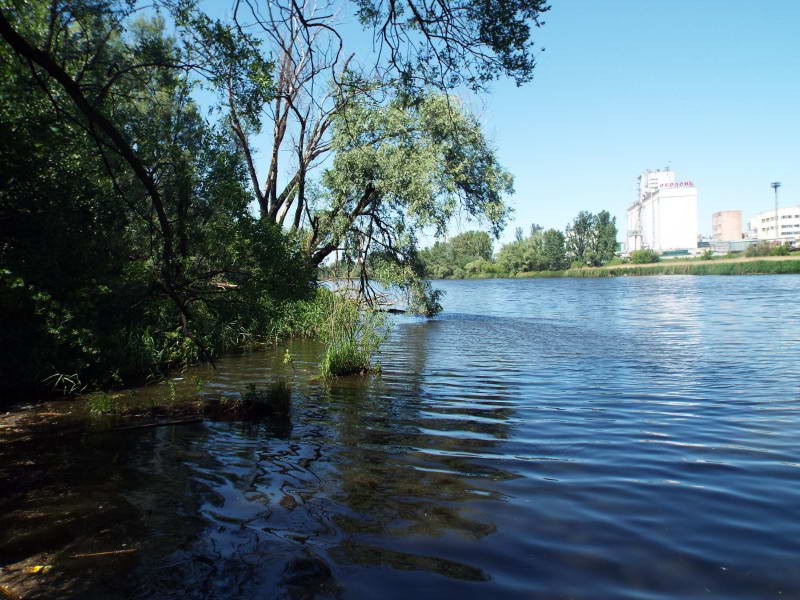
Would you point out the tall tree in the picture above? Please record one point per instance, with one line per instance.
(127, 244)
(124, 85)
(444, 259)
(469, 246)
(553, 250)
(580, 237)
(397, 170)
(318, 81)
(605, 238)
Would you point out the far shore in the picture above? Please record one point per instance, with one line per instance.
(762, 265)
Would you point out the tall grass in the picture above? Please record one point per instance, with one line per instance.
(352, 336)
(757, 267)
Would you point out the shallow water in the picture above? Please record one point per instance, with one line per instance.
(565, 438)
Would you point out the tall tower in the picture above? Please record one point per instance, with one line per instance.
(775, 185)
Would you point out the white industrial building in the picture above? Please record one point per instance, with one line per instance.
(664, 217)
(762, 226)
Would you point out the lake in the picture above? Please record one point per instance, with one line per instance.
(548, 438)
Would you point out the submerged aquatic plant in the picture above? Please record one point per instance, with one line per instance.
(101, 403)
(252, 403)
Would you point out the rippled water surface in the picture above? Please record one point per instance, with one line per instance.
(567, 438)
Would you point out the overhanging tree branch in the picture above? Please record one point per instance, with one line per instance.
(24, 49)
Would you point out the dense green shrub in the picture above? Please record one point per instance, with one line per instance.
(768, 249)
(86, 297)
(759, 249)
(617, 261)
(639, 257)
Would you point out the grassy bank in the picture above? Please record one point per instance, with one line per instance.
(758, 266)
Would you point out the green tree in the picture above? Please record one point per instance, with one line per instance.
(128, 246)
(399, 168)
(605, 238)
(322, 105)
(471, 247)
(553, 250)
(540, 251)
(580, 238)
(591, 239)
(512, 257)
(455, 43)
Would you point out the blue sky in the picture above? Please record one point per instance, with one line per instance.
(708, 87)
(711, 88)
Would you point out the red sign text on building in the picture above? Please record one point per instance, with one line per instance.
(677, 184)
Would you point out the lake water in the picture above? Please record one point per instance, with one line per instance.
(558, 438)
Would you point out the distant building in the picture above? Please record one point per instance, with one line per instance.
(664, 217)
(763, 225)
(726, 226)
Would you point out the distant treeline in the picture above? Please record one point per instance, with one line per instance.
(590, 240)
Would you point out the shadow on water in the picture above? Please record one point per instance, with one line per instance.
(349, 479)
(69, 496)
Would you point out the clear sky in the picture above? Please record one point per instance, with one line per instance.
(709, 87)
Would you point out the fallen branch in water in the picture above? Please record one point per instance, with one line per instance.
(110, 553)
(159, 424)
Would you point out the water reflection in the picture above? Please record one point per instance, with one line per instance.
(627, 438)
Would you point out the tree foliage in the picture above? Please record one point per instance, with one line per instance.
(540, 251)
(592, 237)
(450, 43)
(129, 243)
(468, 252)
(367, 150)
(127, 246)
(399, 169)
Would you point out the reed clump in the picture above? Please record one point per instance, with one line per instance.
(352, 335)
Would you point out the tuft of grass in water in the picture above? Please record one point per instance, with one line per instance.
(101, 403)
(66, 384)
(352, 336)
(348, 357)
(173, 391)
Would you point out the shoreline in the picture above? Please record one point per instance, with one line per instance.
(768, 265)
